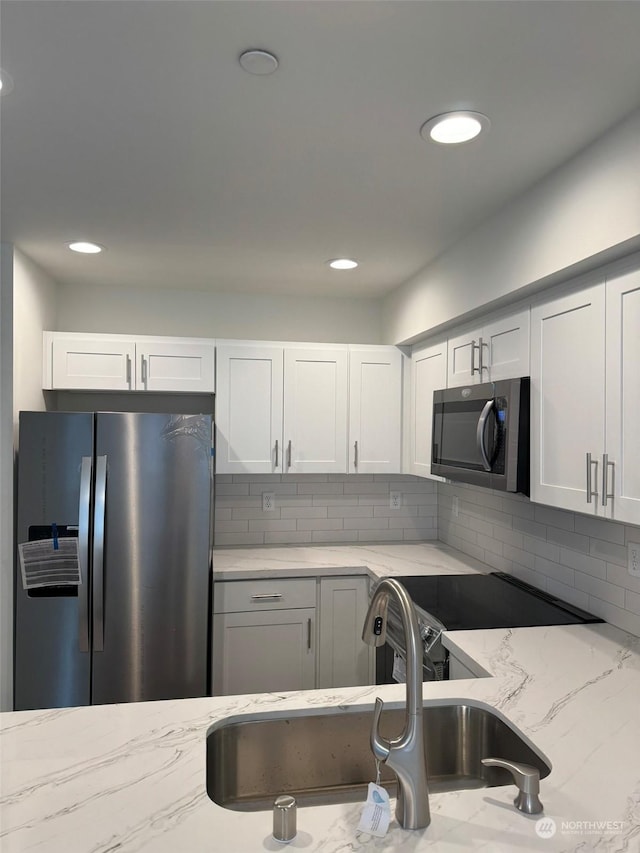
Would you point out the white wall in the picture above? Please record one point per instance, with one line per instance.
(585, 213)
(34, 309)
(219, 315)
(27, 306)
(6, 477)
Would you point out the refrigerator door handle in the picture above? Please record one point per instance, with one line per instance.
(83, 553)
(98, 554)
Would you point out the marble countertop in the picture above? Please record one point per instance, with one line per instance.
(132, 777)
(376, 560)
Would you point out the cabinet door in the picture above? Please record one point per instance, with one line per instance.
(623, 398)
(505, 346)
(315, 410)
(175, 366)
(249, 404)
(567, 396)
(463, 362)
(264, 651)
(97, 363)
(375, 416)
(428, 374)
(344, 659)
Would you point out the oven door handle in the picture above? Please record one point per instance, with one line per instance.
(480, 433)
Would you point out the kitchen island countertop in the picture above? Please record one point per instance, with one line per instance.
(132, 777)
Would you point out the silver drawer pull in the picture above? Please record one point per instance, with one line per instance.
(266, 596)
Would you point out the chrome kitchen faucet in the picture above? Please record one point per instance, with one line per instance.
(404, 754)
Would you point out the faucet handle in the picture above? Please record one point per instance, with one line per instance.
(527, 778)
(379, 746)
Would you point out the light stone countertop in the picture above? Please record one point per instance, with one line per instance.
(433, 558)
(132, 777)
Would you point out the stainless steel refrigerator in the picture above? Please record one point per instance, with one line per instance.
(125, 618)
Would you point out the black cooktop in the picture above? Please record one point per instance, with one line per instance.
(495, 600)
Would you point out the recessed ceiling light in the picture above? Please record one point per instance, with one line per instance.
(6, 82)
(85, 248)
(258, 62)
(455, 127)
(343, 264)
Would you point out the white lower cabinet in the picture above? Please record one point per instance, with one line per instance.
(264, 651)
(264, 635)
(289, 634)
(344, 659)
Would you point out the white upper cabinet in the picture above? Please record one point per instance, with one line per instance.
(249, 407)
(315, 409)
(281, 409)
(497, 350)
(74, 361)
(375, 410)
(175, 365)
(97, 362)
(428, 374)
(567, 399)
(585, 387)
(621, 471)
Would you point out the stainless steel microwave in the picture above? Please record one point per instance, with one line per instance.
(481, 434)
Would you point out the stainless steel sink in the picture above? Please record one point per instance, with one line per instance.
(326, 758)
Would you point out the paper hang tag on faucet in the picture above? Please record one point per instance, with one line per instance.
(376, 814)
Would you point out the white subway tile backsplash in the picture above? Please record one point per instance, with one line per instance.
(571, 540)
(600, 528)
(632, 601)
(554, 517)
(542, 548)
(609, 552)
(532, 528)
(380, 536)
(600, 589)
(319, 524)
(580, 559)
(287, 538)
(568, 593)
(260, 525)
(554, 571)
(304, 512)
(596, 568)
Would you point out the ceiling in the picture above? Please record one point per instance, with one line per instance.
(132, 124)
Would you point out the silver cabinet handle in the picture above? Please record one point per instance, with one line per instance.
(129, 371)
(480, 346)
(527, 778)
(590, 492)
(289, 455)
(143, 369)
(308, 633)
(266, 596)
(482, 426)
(98, 553)
(605, 478)
(355, 454)
(474, 347)
(276, 465)
(83, 553)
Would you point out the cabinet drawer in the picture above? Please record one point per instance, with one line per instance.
(274, 594)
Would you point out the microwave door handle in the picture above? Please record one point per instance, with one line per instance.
(480, 432)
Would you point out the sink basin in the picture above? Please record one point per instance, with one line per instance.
(326, 758)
